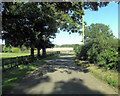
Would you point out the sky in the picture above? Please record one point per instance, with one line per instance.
(106, 15)
(119, 21)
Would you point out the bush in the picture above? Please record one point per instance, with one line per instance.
(6, 49)
(77, 50)
(15, 49)
(25, 48)
(100, 47)
(81, 51)
(35, 48)
(108, 58)
(100, 52)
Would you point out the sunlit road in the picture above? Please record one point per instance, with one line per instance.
(61, 76)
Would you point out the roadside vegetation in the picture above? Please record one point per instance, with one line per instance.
(11, 77)
(109, 77)
(22, 34)
(101, 52)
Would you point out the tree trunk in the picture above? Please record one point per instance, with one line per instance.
(38, 52)
(21, 48)
(44, 52)
(32, 52)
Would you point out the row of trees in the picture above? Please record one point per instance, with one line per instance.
(32, 24)
(15, 49)
(101, 47)
(66, 45)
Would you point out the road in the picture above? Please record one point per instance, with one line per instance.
(61, 76)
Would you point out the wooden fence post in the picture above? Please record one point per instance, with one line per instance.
(22, 59)
(2, 64)
(17, 61)
(11, 64)
(29, 59)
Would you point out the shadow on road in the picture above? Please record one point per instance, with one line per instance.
(37, 77)
(73, 86)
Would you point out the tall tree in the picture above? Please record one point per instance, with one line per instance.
(25, 26)
(24, 23)
(96, 30)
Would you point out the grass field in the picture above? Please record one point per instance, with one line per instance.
(9, 55)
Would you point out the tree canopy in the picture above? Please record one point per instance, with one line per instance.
(33, 23)
(97, 30)
(101, 47)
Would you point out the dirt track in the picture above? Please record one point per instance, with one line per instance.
(61, 76)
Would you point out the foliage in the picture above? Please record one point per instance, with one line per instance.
(108, 76)
(77, 50)
(6, 49)
(25, 48)
(66, 45)
(20, 27)
(15, 49)
(101, 48)
(95, 30)
(29, 33)
(12, 77)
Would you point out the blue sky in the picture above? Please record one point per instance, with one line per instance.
(106, 15)
(119, 21)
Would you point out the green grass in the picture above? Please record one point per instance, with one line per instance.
(9, 55)
(11, 77)
(107, 76)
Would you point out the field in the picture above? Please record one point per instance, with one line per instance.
(60, 49)
(9, 55)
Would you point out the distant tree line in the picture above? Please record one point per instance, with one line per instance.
(66, 46)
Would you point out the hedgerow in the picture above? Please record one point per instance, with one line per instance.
(101, 48)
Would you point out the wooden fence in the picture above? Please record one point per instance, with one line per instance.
(9, 63)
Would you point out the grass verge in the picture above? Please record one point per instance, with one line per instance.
(110, 77)
(11, 77)
(107, 76)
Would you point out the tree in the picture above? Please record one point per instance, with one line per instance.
(29, 29)
(94, 31)
(20, 27)
(101, 47)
